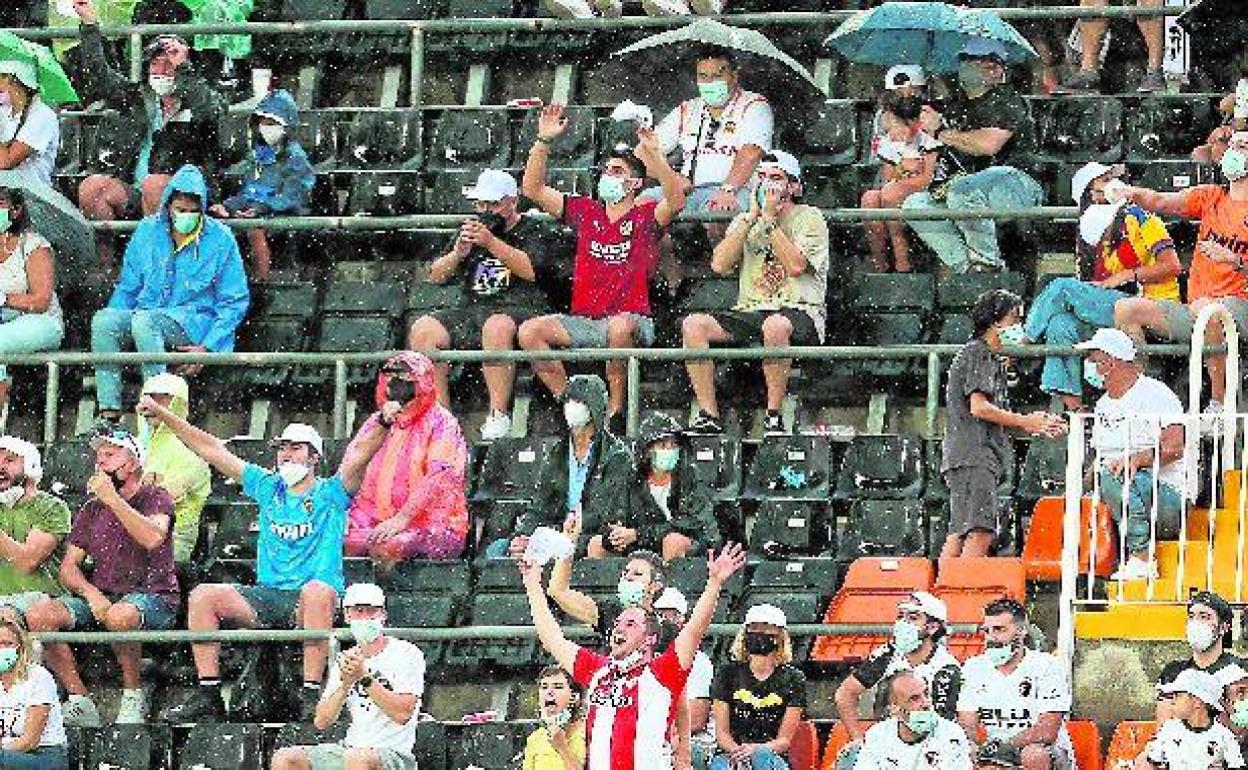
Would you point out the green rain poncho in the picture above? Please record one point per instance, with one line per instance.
(170, 464)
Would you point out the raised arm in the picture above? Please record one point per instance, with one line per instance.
(550, 126)
(577, 605)
(719, 569)
(656, 164)
(365, 444)
(199, 441)
(1164, 203)
(563, 650)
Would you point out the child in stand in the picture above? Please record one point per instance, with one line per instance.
(559, 744)
(1192, 739)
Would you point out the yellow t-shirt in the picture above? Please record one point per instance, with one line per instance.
(1146, 237)
(540, 754)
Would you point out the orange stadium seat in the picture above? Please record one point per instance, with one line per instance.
(1042, 550)
(836, 741)
(1086, 737)
(869, 596)
(967, 584)
(1129, 740)
(804, 748)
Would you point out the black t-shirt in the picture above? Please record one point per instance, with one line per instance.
(1001, 107)
(488, 282)
(1171, 670)
(940, 671)
(755, 709)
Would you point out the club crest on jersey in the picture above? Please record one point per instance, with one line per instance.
(626, 228)
(932, 758)
(1025, 687)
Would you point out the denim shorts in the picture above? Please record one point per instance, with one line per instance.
(157, 612)
(588, 332)
(274, 607)
(332, 756)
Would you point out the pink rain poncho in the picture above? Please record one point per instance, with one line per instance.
(419, 473)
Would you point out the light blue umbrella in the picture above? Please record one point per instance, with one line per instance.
(927, 34)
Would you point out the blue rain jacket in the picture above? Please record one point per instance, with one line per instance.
(276, 180)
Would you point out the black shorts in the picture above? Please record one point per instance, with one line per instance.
(464, 325)
(972, 500)
(745, 327)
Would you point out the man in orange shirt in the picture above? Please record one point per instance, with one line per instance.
(1218, 272)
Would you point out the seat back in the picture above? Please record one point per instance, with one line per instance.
(510, 469)
(1044, 469)
(786, 527)
(1086, 738)
(967, 585)
(130, 746)
(790, 468)
(959, 292)
(223, 746)
(470, 138)
(1042, 550)
(884, 528)
(869, 595)
(714, 461)
(804, 747)
(1128, 742)
(882, 466)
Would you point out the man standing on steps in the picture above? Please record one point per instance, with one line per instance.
(1128, 448)
(1208, 633)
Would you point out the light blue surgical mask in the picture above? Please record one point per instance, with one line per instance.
(999, 654)
(664, 459)
(630, 592)
(1234, 164)
(1093, 375)
(922, 722)
(366, 631)
(8, 659)
(715, 93)
(185, 222)
(1012, 335)
(1239, 714)
(611, 189)
(6, 219)
(907, 637)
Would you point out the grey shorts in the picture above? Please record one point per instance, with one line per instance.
(592, 332)
(1180, 322)
(972, 500)
(22, 602)
(332, 756)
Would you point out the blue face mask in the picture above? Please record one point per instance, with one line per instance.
(6, 220)
(185, 222)
(8, 659)
(630, 592)
(1239, 714)
(999, 654)
(922, 722)
(1012, 335)
(907, 637)
(715, 93)
(611, 189)
(1092, 375)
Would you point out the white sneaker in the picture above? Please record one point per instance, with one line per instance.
(80, 711)
(1210, 421)
(133, 708)
(497, 425)
(611, 8)
(665, 7)
(707, 7)
(1136, 569)
(568, 9)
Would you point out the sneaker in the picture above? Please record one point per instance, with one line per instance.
(133, 708)
(707, 7)
(1211, 421)
(308, 698)
(609, 8)
(204, 705)
(1082, 82)
(568, 9)
(705, 424)
(773, 424)
(665, 7)
(1136, 569)
(1153, 81)
(80, 711)
(497, 425)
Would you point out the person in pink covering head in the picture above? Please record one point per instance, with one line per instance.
(413, 501)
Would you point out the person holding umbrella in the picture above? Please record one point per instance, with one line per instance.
(29, 132)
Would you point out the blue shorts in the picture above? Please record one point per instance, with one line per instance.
(157, 612)
(274, 607)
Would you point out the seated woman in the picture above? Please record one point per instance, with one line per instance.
(1122, 251)
(33, 734)
(412, 503)
(758, 700)
(30, 314)
(664, 515)
(30, 135)
(559, 744)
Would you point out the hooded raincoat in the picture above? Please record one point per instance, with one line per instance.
(170, 464)
(276, 180)
(198, 282)
(419, 473)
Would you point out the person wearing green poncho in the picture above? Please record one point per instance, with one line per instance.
(32, 525)
(169, 464)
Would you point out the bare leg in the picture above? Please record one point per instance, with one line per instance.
(877, 233)
(1153, 30)
(777, 332)
(1091, 33)
(621, 333)
(290, 758)
(126, 617)
(51, 615)
(543, 333)
(317, 605)
(698, 331)
(210, 603)
(977, 542)
(499, 333)
(952, 547)
(428, 333)
(261, 257)
(891, 197)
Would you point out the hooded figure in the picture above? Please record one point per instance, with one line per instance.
(277, 177)
(413, 500)
(607, 469)
(182, 284)
(171, 464)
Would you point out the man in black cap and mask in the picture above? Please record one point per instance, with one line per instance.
(1208, 633)
(504, 262)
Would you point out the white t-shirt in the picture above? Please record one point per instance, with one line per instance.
(41, 132)
(1179, 746)
(661, 494)
(895, 152)
(400, 666)
(38, 689)
(1008, 704)
(1146, 397)
(945, 748)
(13, 276)
(709, 146)
(698, 686)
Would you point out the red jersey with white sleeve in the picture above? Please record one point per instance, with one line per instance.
(631, 706)
(614, 260)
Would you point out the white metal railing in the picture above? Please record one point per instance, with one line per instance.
(1081, 584)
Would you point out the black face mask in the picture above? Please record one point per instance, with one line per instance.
(493, 222)
(119, 477)
(760, 644)
(400, 390)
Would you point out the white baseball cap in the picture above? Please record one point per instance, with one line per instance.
(1112, 342)
(302, 433)
(364, 595)
(492, 186)
(32, 460)
(166, 384)
(672, 599)
(25, 72)
(929, 605)
(119, 437)
(784, 161)
(769, 614)
(1084, 176)
(900, 75)
(1096, 219)
(1200, 684)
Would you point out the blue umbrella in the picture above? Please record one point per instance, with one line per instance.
(928, 34)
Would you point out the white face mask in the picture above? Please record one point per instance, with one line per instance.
(292, 473)
(272, 134)
(366, 631)
(1200, 635)
(161, 84)
(576, 414)
(10, 496)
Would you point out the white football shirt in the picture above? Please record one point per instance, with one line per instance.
(400, 667)
(945, 748)
(1008, 704)
(1179, 746)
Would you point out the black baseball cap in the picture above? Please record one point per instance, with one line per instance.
(1214, 602)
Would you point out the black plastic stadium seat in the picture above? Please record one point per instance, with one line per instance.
(1075, 128)
(349, 334)
(790, 468)
(364, 298)
(886, 330)
(892, 293)
(784, 528)
(487, 746)
(385, 194)
(710, 295)
(1044, 469)
(470, 139)
(223, 747)
(66, 467)
(884, 528)
(830, 136)
(881, 467)
(400, 9)
(959, 292)
(130, 747)
(714, 461)
(381, 140)
(496, 609)
(510, 469)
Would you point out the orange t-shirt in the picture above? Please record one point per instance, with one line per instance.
(1223, 221)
